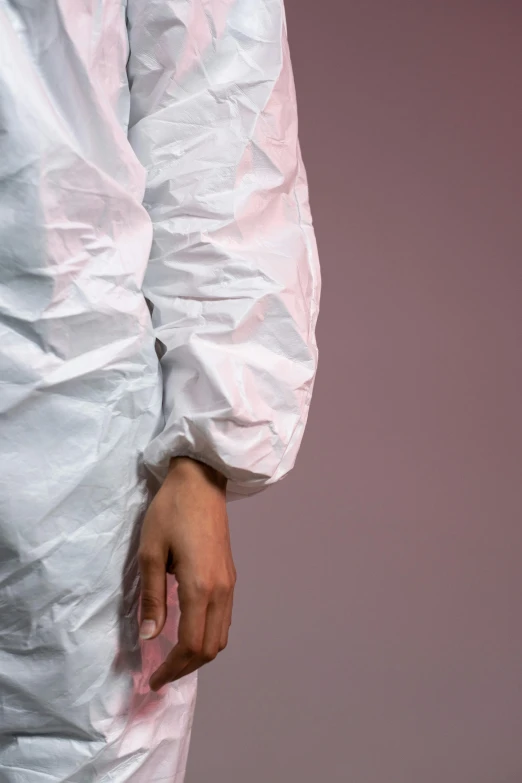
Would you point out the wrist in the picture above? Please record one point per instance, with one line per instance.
(191, 467)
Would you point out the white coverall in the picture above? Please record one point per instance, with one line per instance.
(159, 290)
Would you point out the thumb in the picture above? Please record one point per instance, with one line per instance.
(153, 593)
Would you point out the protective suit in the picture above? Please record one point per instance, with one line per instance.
(159, 290)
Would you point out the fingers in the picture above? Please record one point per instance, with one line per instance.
(193, 602)
(153, 592)
(227, 621)
(204, 614)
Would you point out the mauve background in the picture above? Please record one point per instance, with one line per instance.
(377, 633)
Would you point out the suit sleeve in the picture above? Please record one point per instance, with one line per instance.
(233, 276)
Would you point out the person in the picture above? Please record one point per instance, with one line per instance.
(159, 291)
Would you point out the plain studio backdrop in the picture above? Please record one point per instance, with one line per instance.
(377, 632)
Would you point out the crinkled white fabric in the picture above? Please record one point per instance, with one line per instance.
(233, 274)
(159, 290)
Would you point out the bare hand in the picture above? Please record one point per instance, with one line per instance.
(185, 532)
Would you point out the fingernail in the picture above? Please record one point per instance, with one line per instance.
(147, 629)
